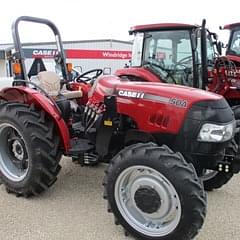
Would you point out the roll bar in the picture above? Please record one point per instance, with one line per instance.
(18, 45)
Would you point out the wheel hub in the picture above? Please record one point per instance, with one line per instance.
(14, 162)
(18, 150)
(147, 199)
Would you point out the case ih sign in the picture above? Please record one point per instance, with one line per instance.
(79, 53)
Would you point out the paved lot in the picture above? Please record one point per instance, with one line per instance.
(74, 209)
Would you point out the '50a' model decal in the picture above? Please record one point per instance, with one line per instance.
(178, 102)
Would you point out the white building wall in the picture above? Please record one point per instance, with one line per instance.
(3, 69)
(88, 64)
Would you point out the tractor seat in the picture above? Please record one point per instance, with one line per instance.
(50, 82)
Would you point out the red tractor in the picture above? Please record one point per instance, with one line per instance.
(187, 55)
(155, 137)
(233, 46)
(232, 60)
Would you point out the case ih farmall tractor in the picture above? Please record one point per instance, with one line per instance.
(153, 135)
(186, 55)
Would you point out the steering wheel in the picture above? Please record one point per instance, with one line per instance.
(183, 62)
(161, 65)
(181, 67)
(89, 77)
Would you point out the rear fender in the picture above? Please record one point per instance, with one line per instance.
(30, 96)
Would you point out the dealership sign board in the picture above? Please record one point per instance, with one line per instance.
(79, 54)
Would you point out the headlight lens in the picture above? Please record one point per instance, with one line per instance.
(216, 133)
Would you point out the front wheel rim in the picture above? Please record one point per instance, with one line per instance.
(14, 161)
(160, 217)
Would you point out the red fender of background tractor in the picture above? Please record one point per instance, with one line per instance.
(30, 96)
(233, 58)
(137, 72)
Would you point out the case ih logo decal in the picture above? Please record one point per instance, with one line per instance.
(44, 53)
(131, 94)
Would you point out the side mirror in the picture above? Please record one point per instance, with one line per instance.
(219, 46)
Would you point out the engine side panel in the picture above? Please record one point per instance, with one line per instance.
(155, 107)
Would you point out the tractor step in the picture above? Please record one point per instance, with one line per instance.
(78, 128)
(79, 146)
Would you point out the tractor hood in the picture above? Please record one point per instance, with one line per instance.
(155, 107)
(153, 91)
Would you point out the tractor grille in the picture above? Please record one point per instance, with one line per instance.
(159, 120)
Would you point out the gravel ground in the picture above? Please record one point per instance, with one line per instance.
(74, 209)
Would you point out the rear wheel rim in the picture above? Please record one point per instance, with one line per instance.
(159, 219)
(14, 162)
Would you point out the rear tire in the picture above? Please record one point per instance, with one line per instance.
(154, 193)
(29, 152)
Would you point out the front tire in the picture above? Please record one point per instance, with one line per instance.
(154, 193)
(214, 179)
(29, 144)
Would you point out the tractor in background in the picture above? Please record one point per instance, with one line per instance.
(154, 136)
(233, 46)
(188, 55)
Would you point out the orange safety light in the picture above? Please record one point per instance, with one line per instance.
(69, 67)
(17, 68)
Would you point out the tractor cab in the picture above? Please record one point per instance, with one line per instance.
(173, 53)
(233, 46)
(187, 55)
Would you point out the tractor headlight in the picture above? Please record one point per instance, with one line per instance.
(216, 133)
